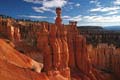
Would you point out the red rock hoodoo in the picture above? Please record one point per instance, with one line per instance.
(62, 50)
(105, 57)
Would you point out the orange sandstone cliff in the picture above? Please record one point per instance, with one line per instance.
(45, 51)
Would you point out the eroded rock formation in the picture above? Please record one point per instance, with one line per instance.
(96, 34)
(106, 58)
(54, 47)
(63, 50)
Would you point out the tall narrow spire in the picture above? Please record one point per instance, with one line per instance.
(58, 20)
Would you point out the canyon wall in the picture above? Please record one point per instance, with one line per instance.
(60, 45)
(95, 35)
(61, 49)
(106, 58)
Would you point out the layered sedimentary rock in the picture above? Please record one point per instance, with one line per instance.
(12, 56)
(97, 34)
(54, 47)
(116, 62)
(11, 72)
(78, 59)
(16, 66)
(63, 50)
(105, 57)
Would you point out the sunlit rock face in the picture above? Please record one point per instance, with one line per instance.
(78, 57)
(56, 49)
(11, 72)
(12, 56)
(16, 66)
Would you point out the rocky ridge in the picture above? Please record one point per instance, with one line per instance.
(60, 48)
